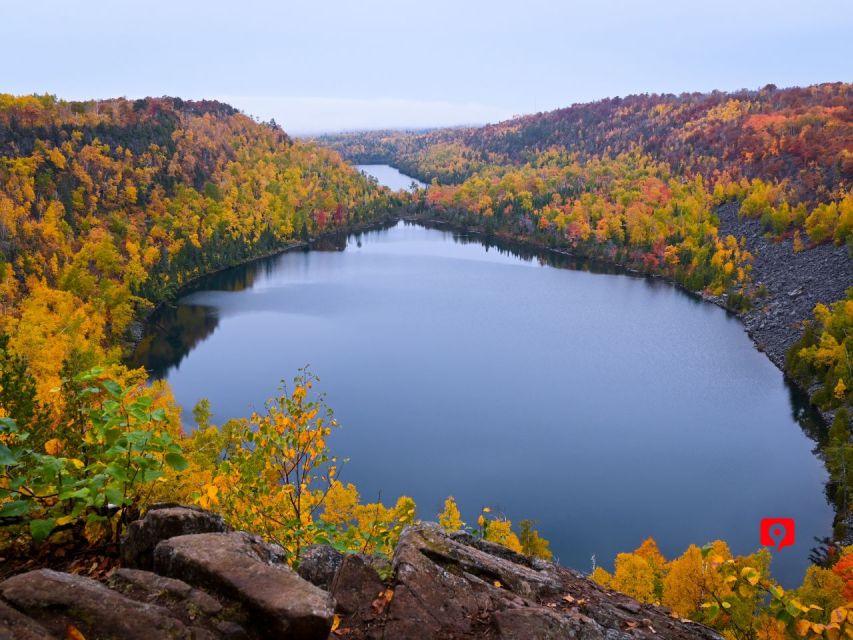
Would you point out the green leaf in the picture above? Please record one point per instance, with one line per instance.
(114, 496)
(15, 509)
(139, 413)
(151, 475)
(111, 436)
(138, 438)
(41, 529)
(79, 493)
(111, 406)
(176, 461)
(117, 472)
(113, 388)
(7, 457)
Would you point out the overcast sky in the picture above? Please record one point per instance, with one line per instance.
(346, 64)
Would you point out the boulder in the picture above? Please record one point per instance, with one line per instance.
(455, 586)
(55, 600)
(429, 600)
(243, 568)
(319, 564)
(356, 586)
(162, 522)
(14, 625)
(149, 587)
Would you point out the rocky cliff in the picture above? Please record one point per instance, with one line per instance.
(185, 574)
(794, 282)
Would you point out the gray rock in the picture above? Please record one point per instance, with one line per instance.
(525, 576)
(457, 586)
(162, 522)
(231, 631)
(430, 601)
(319, 564)
(56, 599)
(159, 590)
(356, 586)
(543, 624)
(14, 625)
(243, 568)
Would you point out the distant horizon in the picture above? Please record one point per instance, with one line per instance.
(236, 101)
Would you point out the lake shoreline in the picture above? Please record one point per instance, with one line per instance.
(136, 330)
(421, 302)
(771, 339)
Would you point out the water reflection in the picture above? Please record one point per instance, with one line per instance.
(608, 408)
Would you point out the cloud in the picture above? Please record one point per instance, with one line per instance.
(304, 115)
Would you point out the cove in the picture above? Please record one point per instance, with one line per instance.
(604, 406)
(389, 176)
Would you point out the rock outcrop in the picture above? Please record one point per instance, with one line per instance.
(242, 568)
(161, 522)
(232, 585)
(319, 564)
(794, 282)
(456, 586)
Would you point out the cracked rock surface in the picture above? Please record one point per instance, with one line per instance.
(225, 584)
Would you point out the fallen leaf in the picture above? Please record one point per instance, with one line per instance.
(382, 601)
(568, 598)
(73, 633)
(336, 622)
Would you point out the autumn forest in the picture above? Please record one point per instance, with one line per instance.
(111, 208)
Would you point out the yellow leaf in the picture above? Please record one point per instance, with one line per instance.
(802, 627)
(336, 622)
(53, 446)
(78, 464)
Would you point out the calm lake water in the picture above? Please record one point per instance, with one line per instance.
(606, 407)
(389, 176)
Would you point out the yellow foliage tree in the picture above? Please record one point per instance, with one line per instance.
(634, 576)
(450, 518)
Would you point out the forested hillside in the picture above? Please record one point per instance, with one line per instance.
(108, 207)
(798, 134)
(637, 181)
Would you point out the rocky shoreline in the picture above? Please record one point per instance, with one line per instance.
(187, 575)
(793, 284)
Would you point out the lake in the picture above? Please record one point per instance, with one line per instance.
(604, 406)
(389, 176)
